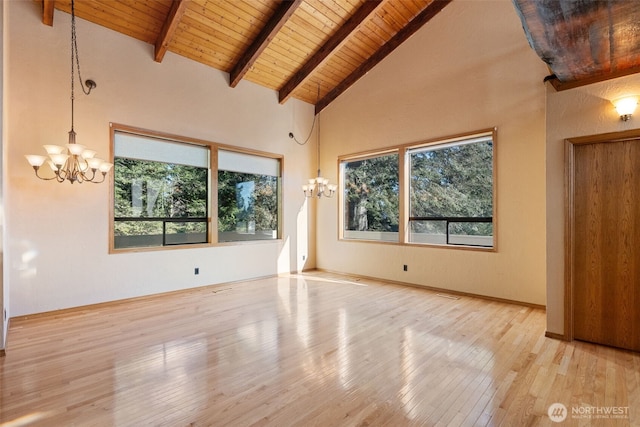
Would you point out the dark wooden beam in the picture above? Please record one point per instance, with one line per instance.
(416, 23)
(336, 41)
(249, 57)
(47, 12)
(571, 84)
(176, 12)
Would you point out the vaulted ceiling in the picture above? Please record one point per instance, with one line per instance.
(312, 50)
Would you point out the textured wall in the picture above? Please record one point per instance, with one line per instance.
(572, 113)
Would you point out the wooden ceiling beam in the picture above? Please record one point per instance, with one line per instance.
(596, 78)
(414, 25)
(249, 57)
(335, 42)
(47, 12)
(176, 12)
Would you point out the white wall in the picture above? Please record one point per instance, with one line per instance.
(468, 69)
(573, 113)
(57, 233)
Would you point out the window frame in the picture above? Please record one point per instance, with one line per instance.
(279, 189)
(212, 198)
(404, 189)
(341, 196)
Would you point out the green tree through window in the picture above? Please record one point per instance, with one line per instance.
(247, 206)
(449, 188)
(371, 191)
(159, 203)
(451, 191)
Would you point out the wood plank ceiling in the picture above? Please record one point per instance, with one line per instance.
(312, 50)
(583, 41)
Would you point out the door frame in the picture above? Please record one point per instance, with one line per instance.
(569, 233)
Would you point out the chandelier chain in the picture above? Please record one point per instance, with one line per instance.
(75, 56)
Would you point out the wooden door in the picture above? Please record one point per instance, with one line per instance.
(605, 255)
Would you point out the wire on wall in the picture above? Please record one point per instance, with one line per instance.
(315, 117)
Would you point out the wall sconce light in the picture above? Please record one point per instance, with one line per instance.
(626, 106)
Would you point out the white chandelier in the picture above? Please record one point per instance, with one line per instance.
(73, 163)
(319, 187)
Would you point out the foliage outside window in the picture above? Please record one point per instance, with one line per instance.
(247, 197)
(371, 198)
(451, 193)
(448, 193)
(164, 187)
(161, 192)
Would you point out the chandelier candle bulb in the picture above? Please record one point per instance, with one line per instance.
(35, 160)
(88, 154)
(53, 149)
(75, 149)
(59, 159)
(105, 167)
(94, 162)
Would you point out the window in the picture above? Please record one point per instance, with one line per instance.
(371, 198)
(161, 192)
(248, 197)
(433, 193)
(451, 192)
(172, 191)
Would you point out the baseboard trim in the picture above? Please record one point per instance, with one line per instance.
(556, 336)
(98, 305)
(436, 289)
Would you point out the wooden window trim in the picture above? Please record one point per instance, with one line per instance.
(403, 172)
(213, 185)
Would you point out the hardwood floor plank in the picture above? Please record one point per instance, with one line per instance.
(317, 349)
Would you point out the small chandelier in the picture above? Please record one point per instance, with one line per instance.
(72, 163)
(317, 187)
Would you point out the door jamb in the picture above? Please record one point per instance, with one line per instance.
(569, 233)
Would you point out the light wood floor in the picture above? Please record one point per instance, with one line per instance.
(314, 349)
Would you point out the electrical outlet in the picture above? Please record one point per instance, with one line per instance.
(404, 267)
(304, 257)
(5, 314)
(196, 270)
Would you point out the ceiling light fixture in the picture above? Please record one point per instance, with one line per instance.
(319, 186)
(626, 106)
(73, 163)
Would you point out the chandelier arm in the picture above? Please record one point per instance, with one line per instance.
(80, 177)
(93, 176)
(104, 176)
(64, 172)
(36, 168)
